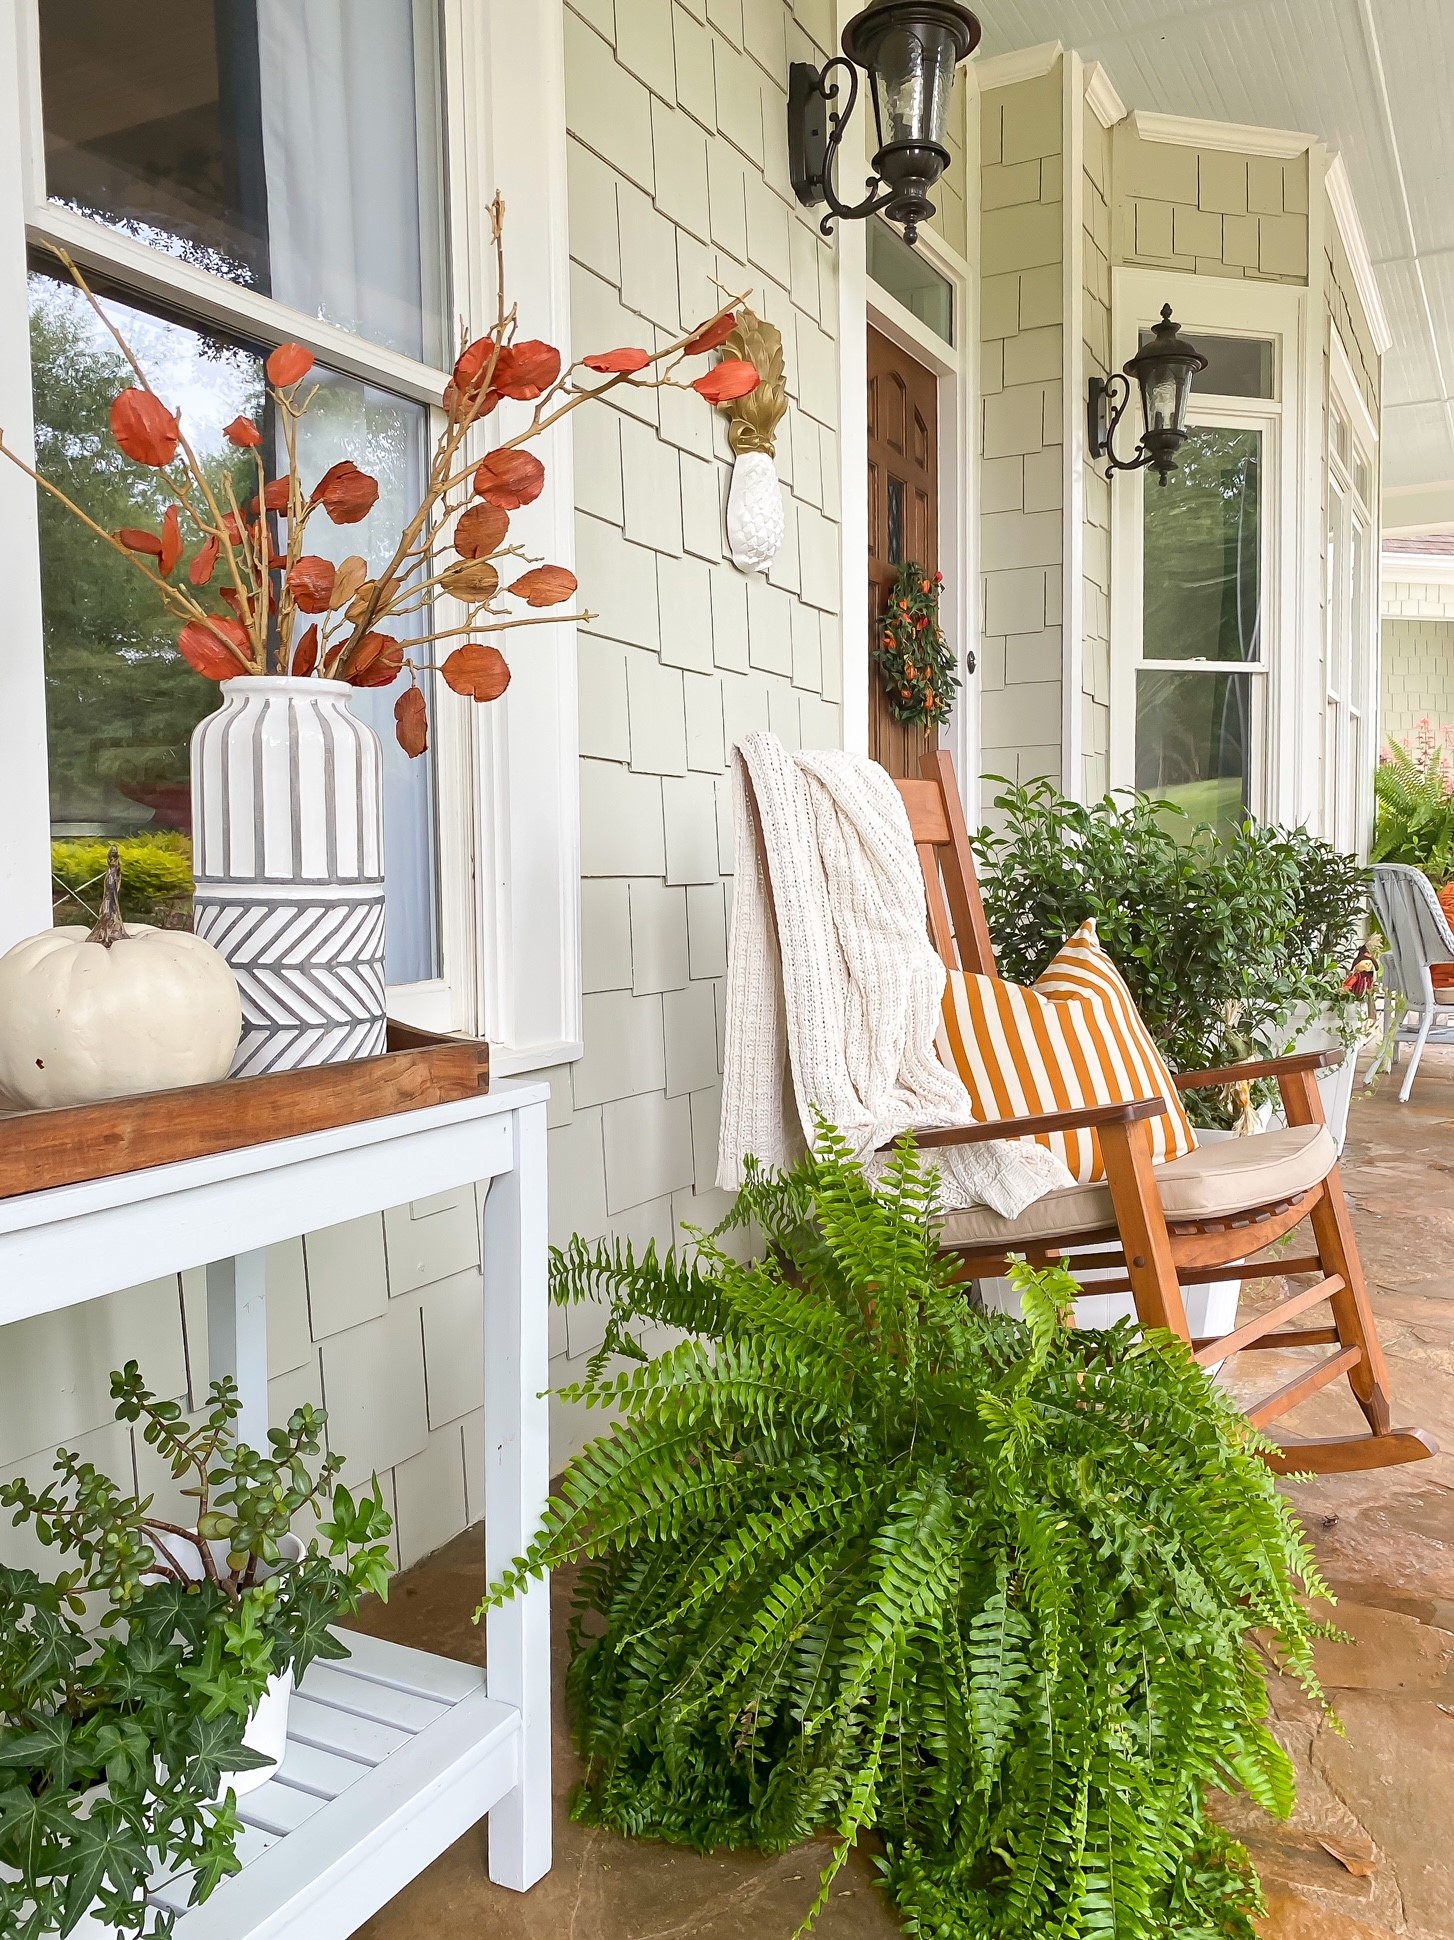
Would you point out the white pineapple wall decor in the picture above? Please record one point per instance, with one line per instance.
(755, 500)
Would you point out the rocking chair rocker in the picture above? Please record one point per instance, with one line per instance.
(1160, 1227)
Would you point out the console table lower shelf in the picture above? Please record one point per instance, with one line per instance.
(392, 1755)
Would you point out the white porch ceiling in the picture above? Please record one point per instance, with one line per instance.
(1371, 78)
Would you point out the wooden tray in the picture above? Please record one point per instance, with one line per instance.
(39, 1149)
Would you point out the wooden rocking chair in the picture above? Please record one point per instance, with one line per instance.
(1158, 1228)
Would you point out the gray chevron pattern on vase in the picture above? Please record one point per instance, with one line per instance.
(311, 974)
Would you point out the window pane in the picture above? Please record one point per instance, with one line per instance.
(1236, 366)
(121, 703)
(1202, 592)
(1193, 738)
(273, 143)
(899, 268)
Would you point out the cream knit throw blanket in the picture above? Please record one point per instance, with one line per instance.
(842, 1018)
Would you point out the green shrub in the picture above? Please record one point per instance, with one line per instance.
(156, 878)
(858, 1555)
(1414, 792)
(1225, 940)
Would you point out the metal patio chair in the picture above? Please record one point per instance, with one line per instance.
(1415, 1011)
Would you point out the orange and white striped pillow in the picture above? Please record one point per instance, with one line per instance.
(1073, 1038)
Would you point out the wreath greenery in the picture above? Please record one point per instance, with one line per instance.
(919, 673)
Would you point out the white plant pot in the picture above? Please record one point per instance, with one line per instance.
(267, 1731)
(1317, 1034)
(288, 854)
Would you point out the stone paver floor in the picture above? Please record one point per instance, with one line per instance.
(1369, 1854)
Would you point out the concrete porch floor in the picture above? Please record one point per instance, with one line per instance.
(1370, 1852)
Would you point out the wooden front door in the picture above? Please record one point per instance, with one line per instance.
(903, 518)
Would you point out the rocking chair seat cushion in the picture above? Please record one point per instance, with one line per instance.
(1216, 1181)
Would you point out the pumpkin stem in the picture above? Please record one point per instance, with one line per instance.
(110, 928)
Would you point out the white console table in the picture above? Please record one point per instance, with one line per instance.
(393, 1753)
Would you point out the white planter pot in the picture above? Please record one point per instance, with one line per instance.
(1317, 1034)
(288, 854)
(267, 1730)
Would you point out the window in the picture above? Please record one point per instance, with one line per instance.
(1204, 578)
(1349, 619)
(1211, 575)
(233, 174)
(290, 155)
(906, 274)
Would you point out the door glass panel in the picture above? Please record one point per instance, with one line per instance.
(121, 702)
(896, 495)
(1202, 540)
(272, 143)
(1236, 366)
(902, 270)
(1193, 741)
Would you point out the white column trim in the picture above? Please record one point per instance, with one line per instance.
(25, 904)
(1235, 137)
(1073, 453)
(1349, 225)
(506, 71)
(1101, 96)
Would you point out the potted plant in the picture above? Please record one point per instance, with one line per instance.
(1413, 788)
(287, 785)
(856, 1554)
(122, 1752)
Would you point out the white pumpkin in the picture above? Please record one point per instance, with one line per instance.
(82, 1018)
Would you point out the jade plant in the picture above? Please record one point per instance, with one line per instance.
(127, 1680)
(857, 1555)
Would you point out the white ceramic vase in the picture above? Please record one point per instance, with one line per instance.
(288, 855)
(755, 522)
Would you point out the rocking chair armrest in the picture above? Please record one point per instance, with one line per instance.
(1078, 1118)
(1236, 1074)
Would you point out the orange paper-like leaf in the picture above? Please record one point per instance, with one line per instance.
(243, 433)
(275, 495)
(204, 562)
(137, 539)
(472, 364)
(144, 428)
(480, 531)
(310, 581)
(628, 359)
(481, 673)
(376, 662)
(171, 540)
(288, 363)
(411, 721)
(345, 493)
(711, 334)
(544, 586)
(305, 654)
(204, 646)
(473, 580)
(734, 377)
(509, 479)
(352, 574)
(526, 370)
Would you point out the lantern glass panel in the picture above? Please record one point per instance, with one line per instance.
(1164, 392)
(914, 70)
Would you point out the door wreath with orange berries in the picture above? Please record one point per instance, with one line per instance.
(918, 667)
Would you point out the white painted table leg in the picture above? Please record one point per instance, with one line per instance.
(517, 1482)
(237, 1337)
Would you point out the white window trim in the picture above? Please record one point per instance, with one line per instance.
(1346, 394)
(506, 782)
(1231, 308)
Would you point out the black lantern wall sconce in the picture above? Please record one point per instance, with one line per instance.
(909, 50)
(1163, 369)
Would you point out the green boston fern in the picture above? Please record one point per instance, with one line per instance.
(1414, 793)
(858, 1555)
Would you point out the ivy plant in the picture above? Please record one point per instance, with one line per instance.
(1229, 942)
(127, 1682)
(858, 1555)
